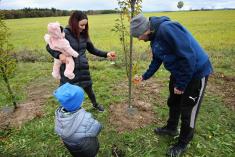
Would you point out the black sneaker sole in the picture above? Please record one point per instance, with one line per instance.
(168, 154)
(98, 109)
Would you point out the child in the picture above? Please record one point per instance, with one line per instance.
(56, 40)
(76, 127)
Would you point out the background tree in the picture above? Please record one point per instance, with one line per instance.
(7, 61)
(180, 4)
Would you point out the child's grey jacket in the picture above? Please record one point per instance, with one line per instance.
(72, 126)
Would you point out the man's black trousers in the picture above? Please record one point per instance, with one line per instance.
(185, 106)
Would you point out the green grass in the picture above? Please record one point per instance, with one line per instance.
(215, 133)
(25, 73)
(213, 29)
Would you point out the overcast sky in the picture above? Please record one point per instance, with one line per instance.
(148, 5)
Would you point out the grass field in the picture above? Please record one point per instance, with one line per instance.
(215, 133)
(213, 29)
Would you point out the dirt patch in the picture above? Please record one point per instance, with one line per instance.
(37, 93)
(224, 86)
(141, 114)
(124, 120)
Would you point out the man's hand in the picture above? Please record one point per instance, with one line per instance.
(62, 58)
(178, 92)
(137, 79)
(111, 55)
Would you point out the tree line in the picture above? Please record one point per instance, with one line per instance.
(45, 12)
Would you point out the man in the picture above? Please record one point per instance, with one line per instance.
(189, 66)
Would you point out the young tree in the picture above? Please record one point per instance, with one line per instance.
(127, 8)
(121, 28)
(7, 61)
(180, 4)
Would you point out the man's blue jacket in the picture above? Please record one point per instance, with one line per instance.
(179, 52)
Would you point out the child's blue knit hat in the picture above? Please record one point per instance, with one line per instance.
(70, 96)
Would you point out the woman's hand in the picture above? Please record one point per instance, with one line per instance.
(111, 55)
(178, 92)
(62, 58)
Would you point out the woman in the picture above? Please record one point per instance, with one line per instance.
(77, 35)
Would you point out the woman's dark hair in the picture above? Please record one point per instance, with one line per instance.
(75, 17)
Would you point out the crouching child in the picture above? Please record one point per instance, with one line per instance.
(76, 127)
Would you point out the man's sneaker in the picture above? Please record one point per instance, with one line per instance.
(99, 107)
(176, 150)
(166, 131)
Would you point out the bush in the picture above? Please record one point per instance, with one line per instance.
(32, 55)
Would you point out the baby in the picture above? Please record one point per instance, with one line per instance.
(56, 40)
(76, 127)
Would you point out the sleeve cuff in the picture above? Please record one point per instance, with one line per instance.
(57, 56)
(144, 77)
